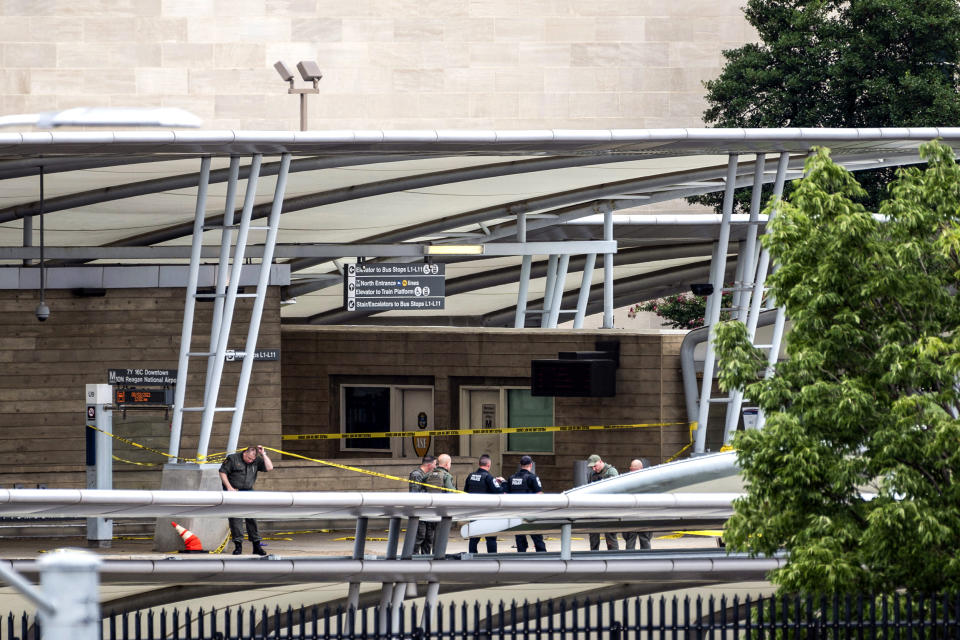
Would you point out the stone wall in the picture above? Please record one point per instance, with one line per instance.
(44, 368)
(392, 64)
(319, 359)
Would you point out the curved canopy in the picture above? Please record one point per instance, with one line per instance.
(129, 198)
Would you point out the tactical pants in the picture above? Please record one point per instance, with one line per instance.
(424, 541)
(630, 539)
(491, 544)
(236, 530)
(538, 543)
(611, 539)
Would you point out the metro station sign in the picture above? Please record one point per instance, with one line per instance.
(386, 286)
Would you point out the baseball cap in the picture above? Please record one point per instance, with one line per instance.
(594, 459)
(526, 460)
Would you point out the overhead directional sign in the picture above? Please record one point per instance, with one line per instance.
(143, 376)
(385, 286)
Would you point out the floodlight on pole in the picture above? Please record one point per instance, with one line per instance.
(310, 72)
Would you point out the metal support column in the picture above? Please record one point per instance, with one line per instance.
(27, 237)
(718, 267)
(186, 332)
(223, 265)
(557, 298)
(440, 539)
(213, 390)
(608, 271)
(253, 330)
(359, 541)
(70, 581)
(523, 293)
(584, 298)
(548, 289)
(774, 353)
(749, 278)
(393, 538)
(566, 539)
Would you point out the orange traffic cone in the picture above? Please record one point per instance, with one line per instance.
(191, 542)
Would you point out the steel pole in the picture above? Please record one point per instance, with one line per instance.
(186, 333)
(716, 279)
(608, 271)
(557, 297)
(585, 281)
(213, 390)
(253, 329)
(70, 579)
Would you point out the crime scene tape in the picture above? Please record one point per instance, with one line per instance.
(280, 451)
(386, 476)
(469, 432)
(375, 474)
(156, 451)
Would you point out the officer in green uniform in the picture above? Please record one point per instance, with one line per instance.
(602, 471)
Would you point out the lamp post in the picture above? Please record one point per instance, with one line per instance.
(310, 72)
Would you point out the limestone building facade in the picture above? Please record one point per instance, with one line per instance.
(387, 64)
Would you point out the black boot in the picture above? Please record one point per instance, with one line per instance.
(237, 548)
(258, 550)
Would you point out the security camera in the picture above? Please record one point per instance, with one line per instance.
(702, 289)
(42, 311)
(283, 70)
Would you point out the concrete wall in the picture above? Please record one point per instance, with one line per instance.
(386, 63)
(319, 359)
(44, 368)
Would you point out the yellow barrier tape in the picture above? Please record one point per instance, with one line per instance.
(156, 451)
(222, 545)
(468, 432)
(693, 429)
(139, 464)
(376, 474)
(710, 533)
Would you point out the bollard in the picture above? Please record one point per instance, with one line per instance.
(70, 579)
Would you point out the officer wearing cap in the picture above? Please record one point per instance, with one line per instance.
(526, 481)
(602, 471)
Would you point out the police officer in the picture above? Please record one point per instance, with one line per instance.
(425, 530)
(602, 471)
(631, 538)
(526, 481)
(482, 481)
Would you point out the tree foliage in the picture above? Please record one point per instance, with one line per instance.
(680, 310)
(842, 63)
(867, 400)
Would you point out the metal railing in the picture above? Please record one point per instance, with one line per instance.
(895, 616)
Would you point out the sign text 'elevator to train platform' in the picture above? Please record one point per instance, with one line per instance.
(384, 286)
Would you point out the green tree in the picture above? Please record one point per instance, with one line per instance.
(867, 400)
(680, 310)
(842, 63)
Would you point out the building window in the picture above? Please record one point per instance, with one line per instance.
(366, 409)
(524, 410)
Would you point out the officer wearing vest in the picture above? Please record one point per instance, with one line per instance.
(482, 481)
(526, 481)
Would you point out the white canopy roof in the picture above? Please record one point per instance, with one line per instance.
(127, 197)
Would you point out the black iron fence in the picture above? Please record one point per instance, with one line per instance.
(899, 616)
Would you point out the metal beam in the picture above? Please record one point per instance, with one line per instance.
(312, 200)
(507, 275)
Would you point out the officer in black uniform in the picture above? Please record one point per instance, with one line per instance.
(482, 481)
(526, 481)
